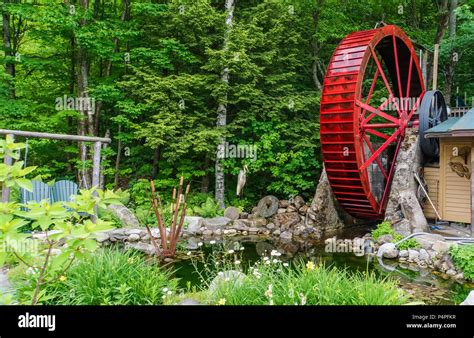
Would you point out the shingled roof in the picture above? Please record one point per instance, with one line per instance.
(454, 127)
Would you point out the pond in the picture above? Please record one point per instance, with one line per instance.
(422, 285)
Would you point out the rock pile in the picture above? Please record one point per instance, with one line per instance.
(432, 253)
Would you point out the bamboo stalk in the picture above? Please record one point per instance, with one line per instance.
(158, 217)
(176, 208)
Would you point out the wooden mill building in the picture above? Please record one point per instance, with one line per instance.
(450, 182)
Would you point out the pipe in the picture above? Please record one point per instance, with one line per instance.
(426, 194)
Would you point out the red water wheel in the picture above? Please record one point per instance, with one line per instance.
(372, 88)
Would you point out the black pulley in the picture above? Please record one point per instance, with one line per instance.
(432, 112)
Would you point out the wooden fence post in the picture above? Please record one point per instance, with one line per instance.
(96, 164)
(8, 161)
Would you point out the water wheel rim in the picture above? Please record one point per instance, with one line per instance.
(343, 112)
(433, 111)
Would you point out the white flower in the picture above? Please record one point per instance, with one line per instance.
(275, 261)
(275, 253)
(169, 293)
(165, 290)
(285, 264)
(268, 262)
(212, 242)
(220, 273)
(303, 299)
(265, 259)
(230, 251)
(188, 253)
(200, 244)
(242, 248)
(237, 262)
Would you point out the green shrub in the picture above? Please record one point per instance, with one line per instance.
(110, 277)
(385, 228)
(463, 258)
(272, 283)
(210, 208)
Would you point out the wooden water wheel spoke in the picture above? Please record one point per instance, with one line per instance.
(380, 150)
(372, 115)
(361, 152)
(395, 54)
(385, 81)
(376, 111)
(407, 94)
(413, 110)
(379, 163)
(376, 133)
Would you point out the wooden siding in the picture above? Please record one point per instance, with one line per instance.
(454, 191)
(431, 175)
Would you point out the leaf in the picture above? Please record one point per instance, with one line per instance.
(24, 183)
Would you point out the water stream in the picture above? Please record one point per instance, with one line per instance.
(422, 285)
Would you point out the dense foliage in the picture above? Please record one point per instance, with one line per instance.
(385, 228)
(269, 282)
(463, 258)
(110, 277)
(153, 69)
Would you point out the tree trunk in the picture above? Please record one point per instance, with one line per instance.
(7, 45)
(118, 158)
(85, 124)
(156, 158)
(222, 111)
(443, 15)
(453, 57)
(315, 46)
(205, 178)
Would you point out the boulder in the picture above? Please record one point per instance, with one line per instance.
(324, 212)
(391, 253)
(267, 206)
(403, 253)
(133, 238)
(216, 222)
(240, 225)
(402, 227)
(441, 247)
(283, 204)
(126, 217)
(427, 241)
(424, 256)
(232, 213)
(257, 221)
(194, 223)
(287, 220)
(413, 255)
(298, 202)
(286, 235)
(303, 209)
(403, 192)
(146, 248)
(385, 239)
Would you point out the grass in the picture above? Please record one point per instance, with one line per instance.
(271, 282)
(385, 228)
(109, 277)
